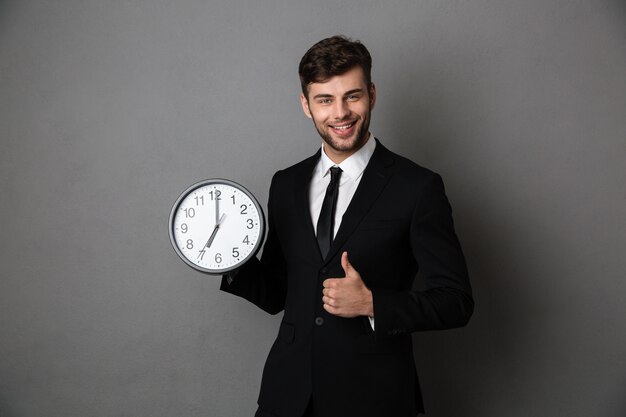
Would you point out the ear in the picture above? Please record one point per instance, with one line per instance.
(372, 96)
(305, 106)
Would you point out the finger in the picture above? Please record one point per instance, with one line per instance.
(329, 283)
(330, 293)
(345, 263)
(332, 310)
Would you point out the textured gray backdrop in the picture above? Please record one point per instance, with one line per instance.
(109, 109)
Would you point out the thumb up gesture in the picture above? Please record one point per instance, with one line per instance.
(347, 297)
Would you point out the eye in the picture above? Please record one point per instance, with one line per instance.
(324, 101)
(353, 97)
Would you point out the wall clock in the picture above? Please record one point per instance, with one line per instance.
(216, 226)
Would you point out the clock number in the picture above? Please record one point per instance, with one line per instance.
(183, 227)
(189, 244)
(190, 212)
(216, 196)
(201, 254)
(199, 200)
(246, 240)
(218, 258)
(235, 252)
(250, 224)
(233, 197)
(243, 209)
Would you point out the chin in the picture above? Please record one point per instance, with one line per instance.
(349, 144)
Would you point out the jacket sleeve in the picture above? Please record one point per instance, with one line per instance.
(262, 282)
(446, 298)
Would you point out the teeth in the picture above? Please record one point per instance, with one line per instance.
(343, 127)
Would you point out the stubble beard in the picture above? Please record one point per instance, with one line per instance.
(342, 146)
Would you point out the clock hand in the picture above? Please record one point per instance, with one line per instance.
(212, 237)
(217, 210)
(202, 251)
(217, 227)
(208, 242)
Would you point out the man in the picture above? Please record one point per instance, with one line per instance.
(349, 228)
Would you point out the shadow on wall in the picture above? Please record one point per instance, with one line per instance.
(526, 345)
(621, 5)
(4, 407)
(462, 370)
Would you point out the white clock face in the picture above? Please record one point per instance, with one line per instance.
(216, 226)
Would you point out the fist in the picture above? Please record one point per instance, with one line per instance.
(349, 296)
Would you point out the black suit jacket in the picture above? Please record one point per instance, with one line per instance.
(398, 222)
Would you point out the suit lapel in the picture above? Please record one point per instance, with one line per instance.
(301, 194)
(375, 177)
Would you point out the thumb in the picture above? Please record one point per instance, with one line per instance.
(345, 264)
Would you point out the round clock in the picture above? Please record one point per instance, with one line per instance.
(216, 226)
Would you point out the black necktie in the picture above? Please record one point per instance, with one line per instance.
(326, 221)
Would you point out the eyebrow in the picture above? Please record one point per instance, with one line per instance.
(355, 90)
(323, 96)
(347, 93)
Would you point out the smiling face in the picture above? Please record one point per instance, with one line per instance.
(340, 108)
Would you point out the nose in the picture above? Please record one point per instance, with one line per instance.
(341, 110)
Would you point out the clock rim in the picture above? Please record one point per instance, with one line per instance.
(188, 191)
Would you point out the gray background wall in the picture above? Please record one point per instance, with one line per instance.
(108, 110)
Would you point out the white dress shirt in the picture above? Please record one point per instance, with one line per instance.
(352, 168)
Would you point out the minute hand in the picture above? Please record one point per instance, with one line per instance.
(217, 210)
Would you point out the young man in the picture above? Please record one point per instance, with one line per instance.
(349, 228)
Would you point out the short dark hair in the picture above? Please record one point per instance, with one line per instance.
(333, 56)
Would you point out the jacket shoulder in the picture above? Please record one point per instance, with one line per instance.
(296, 170)
(406, 169)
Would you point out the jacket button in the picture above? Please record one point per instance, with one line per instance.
(319, 321)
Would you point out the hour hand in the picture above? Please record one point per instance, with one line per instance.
(215, 229)
(202, 251)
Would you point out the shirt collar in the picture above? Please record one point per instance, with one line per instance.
(354, 165)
